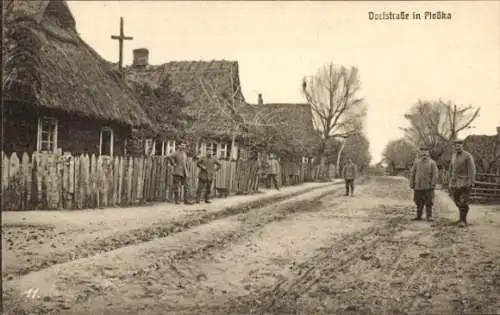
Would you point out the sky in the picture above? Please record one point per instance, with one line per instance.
(278, 43)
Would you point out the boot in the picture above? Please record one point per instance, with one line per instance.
(466, 211)
(463, 221)
(176, 199)
(428, 213)
(419, 214)
(207, 201)
(187, 202)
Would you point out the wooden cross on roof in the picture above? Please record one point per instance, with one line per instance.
(120, 39)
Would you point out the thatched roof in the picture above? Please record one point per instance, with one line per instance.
(294, 122)
(195, 80)
(48, 65)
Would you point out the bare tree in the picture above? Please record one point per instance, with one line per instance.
(399, 152)
(262, 125)
(338, 111)
(436, 124)
(239, 119)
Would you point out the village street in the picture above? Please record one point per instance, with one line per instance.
(312, 252)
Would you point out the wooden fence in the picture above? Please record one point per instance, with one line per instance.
(486, 187)
(50, 181)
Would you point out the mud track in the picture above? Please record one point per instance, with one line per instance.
(317, 253)
(248, 221)
(42, 235)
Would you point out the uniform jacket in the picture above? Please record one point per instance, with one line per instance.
(208, 166)
(179, 160)
(350, 171)
(462, 170)
(424, 174)
(272, 167)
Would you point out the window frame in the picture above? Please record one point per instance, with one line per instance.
(148, 146)
(52, 137)
(202, 149)
(210, 146)
(170, 147)
(111, 140)
(222, 148)
(160, 150)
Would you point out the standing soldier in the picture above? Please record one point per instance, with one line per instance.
(208, 166)
(423, 179)
(462, 177)
(272, 171)
(349, 173)
(180, 174)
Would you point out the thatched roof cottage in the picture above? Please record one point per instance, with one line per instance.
(213, 100)
(293, 125)
(58, 92)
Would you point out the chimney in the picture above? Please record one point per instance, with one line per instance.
(260, 101)
(141, 56)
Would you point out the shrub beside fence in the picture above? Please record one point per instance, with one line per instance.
(50, 181)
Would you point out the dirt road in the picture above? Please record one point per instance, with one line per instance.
(317, 253)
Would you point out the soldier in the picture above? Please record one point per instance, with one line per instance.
(208, 167)
(349, 173)
(272, 171)
(462, 177)
(179, 161)
(423, 179)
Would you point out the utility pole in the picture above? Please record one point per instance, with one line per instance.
(338, 157)
(454, 124)
(120, 39)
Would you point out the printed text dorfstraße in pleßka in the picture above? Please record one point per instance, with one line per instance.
(427, 15)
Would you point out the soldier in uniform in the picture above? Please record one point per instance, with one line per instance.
(423, 179)
(349, 173)
(462, 177)
(272, 167)
(180, 175)
(208, 167)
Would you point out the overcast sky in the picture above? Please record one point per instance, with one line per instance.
(277, 43)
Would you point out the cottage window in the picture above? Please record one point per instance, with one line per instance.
(170, 146)
(225, 151)
(159, 147)
(148, 147)
(242, 154)
(212, 148)
(202, 149)
(222, 154)
(106, 141)
(47, 134)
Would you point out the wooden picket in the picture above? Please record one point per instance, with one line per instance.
(51, 181)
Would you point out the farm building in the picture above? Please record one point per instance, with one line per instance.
(213, 99)
(294, 127)
(59, 94)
